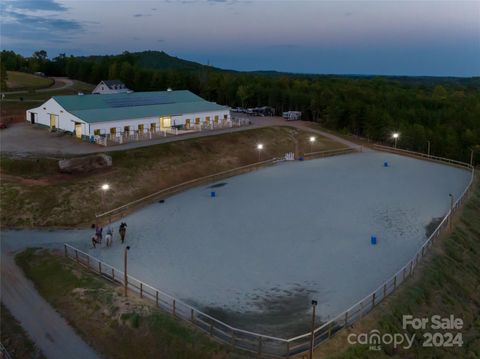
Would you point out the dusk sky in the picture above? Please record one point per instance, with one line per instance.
(436, 38)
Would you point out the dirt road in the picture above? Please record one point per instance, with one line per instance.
(50, 332)
(36, 140)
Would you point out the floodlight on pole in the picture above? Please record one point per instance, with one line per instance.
(395, 136)
(259, 149)
(105, 186)
(312, 139)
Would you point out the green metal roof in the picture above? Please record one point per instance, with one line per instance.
(123, 106)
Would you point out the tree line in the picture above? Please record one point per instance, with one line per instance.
(442, 111)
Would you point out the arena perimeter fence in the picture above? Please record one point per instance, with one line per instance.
(122, 210)
(264, 345)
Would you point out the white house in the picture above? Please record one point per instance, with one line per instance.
(110, 87)
(124, 114)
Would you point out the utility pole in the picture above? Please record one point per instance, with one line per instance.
(451, 211)
(125, 279)
(312, 335)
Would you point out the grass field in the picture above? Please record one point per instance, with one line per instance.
(14, 110)
(447, 283)
(34, 194)
(123, 327)
(24, 81)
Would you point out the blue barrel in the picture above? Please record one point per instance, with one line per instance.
(212, 194)
(373, 240)
(385, 164)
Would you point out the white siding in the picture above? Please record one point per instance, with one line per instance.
(65, 120)
(105, 127)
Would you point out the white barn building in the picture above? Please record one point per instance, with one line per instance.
(95, 117)
(110, 87)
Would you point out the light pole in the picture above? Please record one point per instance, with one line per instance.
(125, 278)
(312, 335)
(395, 136)
(105, 188)
(312, 139)
(259, 149)
(451, 210)
(428, 150)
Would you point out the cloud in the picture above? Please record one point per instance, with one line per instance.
(283, 46)
(40, 21)
(35, 5)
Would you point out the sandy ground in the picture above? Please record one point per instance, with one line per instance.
(272, 240)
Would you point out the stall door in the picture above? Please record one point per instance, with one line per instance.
(53, 121)
(165, 122)
(78, 130)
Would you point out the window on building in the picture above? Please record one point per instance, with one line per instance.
(197, 120)
(113, 131)
(140, 128)
(96, 132)
(207, 120)
(126, 129)
(153, 127)
(216, 119)
(225, 117)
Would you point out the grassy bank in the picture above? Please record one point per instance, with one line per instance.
(122, 327)
(34, 194)
(14, 338)
(24, 81)
(447, 283)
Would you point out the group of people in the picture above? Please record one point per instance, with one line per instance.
(98, 236)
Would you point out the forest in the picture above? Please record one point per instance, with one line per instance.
(443, 111)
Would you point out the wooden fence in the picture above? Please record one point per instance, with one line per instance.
(264, 345)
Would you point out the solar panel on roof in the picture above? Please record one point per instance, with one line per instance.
(138, 101)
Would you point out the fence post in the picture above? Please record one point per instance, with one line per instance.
(211, 329)
(404, 272)
(66, 253)
(156, 297)
(141, 290)
(88, 261)
(113, 274)
(259, 346)
(395, 282)
(76, 256)
(384, 289)
(346, 318)
(173, 309)
(411, 267)
(100, 267)
(329, 331)
(373, 300)
(192, 316)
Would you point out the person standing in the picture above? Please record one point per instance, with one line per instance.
(123, 231)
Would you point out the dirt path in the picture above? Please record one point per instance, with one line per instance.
(61, 83)
(40, 141)
(50, 332)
